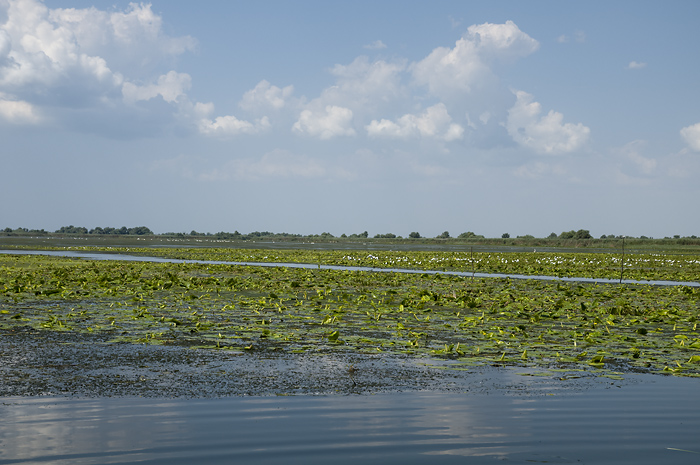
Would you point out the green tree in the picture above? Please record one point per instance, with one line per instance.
(72, 230)
(414, 235)
(580, 234)
(140, 231)
(505, 236)
(469, 235)
(444, 235)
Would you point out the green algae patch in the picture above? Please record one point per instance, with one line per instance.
(470, 322)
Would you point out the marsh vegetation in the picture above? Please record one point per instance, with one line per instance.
(608, 329)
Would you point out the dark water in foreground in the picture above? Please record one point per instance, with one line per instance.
(640, 423)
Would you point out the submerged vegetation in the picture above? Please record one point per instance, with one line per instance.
(551, 325)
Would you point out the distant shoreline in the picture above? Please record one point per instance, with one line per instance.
(674, 245)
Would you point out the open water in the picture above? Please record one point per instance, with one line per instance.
(653, 421)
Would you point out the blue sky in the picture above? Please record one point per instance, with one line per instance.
(307, 117)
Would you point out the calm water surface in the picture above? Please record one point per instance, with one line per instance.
(652, 421)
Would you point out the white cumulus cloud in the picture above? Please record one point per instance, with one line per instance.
(38, 52)
(467, 65)
(691, 135)
(170, 86)
(39, 45)
(130, 40)
(330, 122)
(361, 90)
(364, 82)
(434, 122)
(501, 41)
(53, 61)
(543, 134)
(265, 96)
(381, 94)
(231, 126)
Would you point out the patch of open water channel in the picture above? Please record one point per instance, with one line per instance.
(136, 258)
(655, 420)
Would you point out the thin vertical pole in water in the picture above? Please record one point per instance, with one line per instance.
(471, 250)
(622, 262)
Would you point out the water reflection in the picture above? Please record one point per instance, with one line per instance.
(640, 423)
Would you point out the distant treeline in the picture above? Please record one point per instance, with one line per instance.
(580, 235)
(79, 230)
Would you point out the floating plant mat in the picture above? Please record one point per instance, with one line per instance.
(602, 329)
(643, 267)
(101, 255)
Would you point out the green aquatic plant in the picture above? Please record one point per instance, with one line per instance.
(548, 325)
(637, 266)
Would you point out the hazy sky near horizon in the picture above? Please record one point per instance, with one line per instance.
(313, 116)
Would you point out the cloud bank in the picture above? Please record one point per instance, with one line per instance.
(433, 122)
(120, 65)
